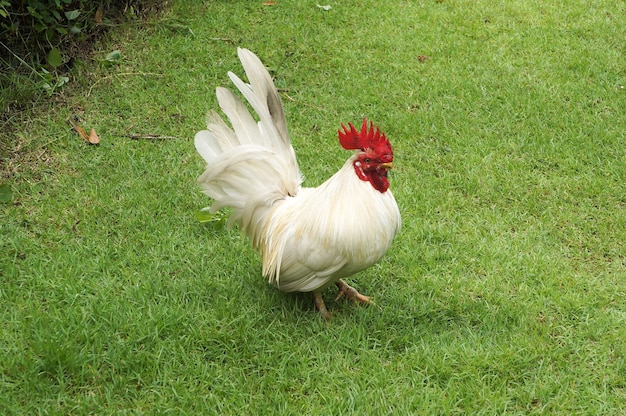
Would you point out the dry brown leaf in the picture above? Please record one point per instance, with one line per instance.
(81, 132)
(99, 15)
(93, 137)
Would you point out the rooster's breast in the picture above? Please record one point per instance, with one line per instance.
(326, 233)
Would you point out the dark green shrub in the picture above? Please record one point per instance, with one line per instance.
(40, 38)
(47, 20)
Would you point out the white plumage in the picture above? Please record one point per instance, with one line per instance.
(308, 238)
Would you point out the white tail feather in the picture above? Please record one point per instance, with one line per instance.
(253, 164)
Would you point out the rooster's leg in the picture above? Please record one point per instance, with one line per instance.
(319, 304)
(350, 293)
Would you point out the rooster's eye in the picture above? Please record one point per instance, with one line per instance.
(368, 160)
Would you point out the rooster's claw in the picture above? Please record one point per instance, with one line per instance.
(351, 293)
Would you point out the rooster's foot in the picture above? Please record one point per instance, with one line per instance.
(319, 304)
(351, 293)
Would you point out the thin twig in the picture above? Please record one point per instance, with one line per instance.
(290, 98)
(222, 40)
(150, 137)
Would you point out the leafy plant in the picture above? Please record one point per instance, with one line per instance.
(3, 8)
(48, 20)
(42, 36)
(112, 58)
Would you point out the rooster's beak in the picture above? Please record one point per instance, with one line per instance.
(387, 165)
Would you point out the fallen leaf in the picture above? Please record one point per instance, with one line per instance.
(269, 3)
(204, 215)
(99, 15)
(114, 57)
(81, 132)
(93, 137)
(423, 58)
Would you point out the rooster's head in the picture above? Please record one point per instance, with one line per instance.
(374, 154)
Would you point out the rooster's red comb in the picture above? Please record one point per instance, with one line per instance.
(353, 139)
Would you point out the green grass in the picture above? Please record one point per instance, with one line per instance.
(505, 293)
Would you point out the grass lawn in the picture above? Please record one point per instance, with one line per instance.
(505, 292)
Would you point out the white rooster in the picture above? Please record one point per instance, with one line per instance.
(308, 238)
